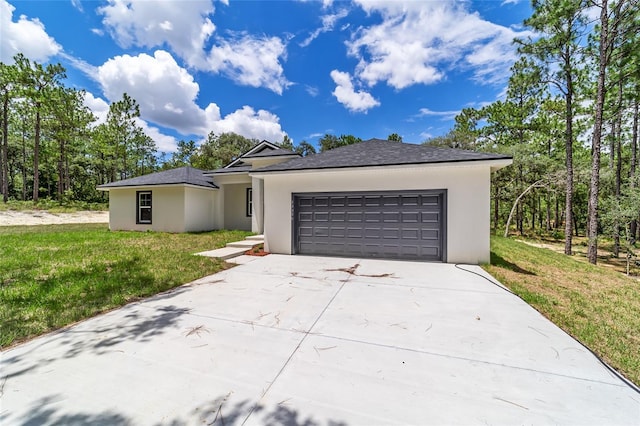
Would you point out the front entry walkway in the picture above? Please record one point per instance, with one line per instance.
(293, 340)
(234, 249)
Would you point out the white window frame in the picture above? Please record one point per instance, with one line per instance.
(140, 207)
(249, 203)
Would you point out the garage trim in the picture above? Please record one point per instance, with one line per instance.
(440, 193)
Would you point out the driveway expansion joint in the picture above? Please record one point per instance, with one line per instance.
(342, 284)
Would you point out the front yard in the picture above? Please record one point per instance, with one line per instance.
(54, 275)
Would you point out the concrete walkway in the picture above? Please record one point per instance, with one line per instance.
(235, 249)
(292, 340)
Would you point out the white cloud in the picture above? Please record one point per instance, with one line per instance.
(80, 64)
(164, 143)
(328, 23)
(345, 93)
(426, 135)
(445, 115)
(250, 61)
(418, 42)
(247, 122)
(77, 4)
(174, 105)
(186, 28)
(27, 36)
(165, 91)
(312, 90)
(98, 106)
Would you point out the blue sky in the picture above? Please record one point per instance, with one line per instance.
(269, 68)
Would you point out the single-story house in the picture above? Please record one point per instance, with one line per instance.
(376, 199)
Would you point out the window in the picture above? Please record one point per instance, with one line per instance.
(249, 204)
(143, 215)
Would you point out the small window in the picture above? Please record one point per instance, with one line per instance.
(249, 204)
(143, 215)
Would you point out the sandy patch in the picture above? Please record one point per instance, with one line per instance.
(11, 218)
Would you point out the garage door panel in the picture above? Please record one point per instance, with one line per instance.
(391, 217)
(372, 217)
(337, 216)
(410, 217)
(391, 233)
(432, 200)
(337, 232)
(430, 234)
(430, 217)
(321, 201)
(392, 224)
(411, 234)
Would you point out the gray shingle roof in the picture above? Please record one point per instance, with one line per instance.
(234, 169)
(271, 153)
(183, 175)
(378, 152)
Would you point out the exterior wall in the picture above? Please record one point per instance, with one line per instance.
(257, 219)
(199, 209)
(235, 203)
(167, 203)
(468, 198)
(218, 208)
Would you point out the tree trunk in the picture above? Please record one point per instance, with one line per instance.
(517, 203)
(548, 218)
(5, 150)
(496, 209)
(24, 165)
(633, 226)
(533, 214)
(592, 222)
(36, 156)
(618, 149)
(568, 144)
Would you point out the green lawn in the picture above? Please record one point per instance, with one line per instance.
(596, 304)
(54, 275)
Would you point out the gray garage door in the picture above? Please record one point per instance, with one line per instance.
(391, 224)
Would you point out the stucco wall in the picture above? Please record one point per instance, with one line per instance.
(167, 205)
(235, 198)
(199, 209)
(468, 200)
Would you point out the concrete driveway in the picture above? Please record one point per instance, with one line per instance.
(315, 341)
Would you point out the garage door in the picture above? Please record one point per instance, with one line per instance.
(390, 225)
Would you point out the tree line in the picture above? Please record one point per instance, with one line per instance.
(570, 120)
(51, 146)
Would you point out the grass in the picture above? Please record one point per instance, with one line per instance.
(54, 275)
(596, 304)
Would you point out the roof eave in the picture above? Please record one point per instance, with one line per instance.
(494, 163)
(155, 185)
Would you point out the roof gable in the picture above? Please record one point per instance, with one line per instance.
(183, 175)
(378, 152)
(264, 149)
(260, 147)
